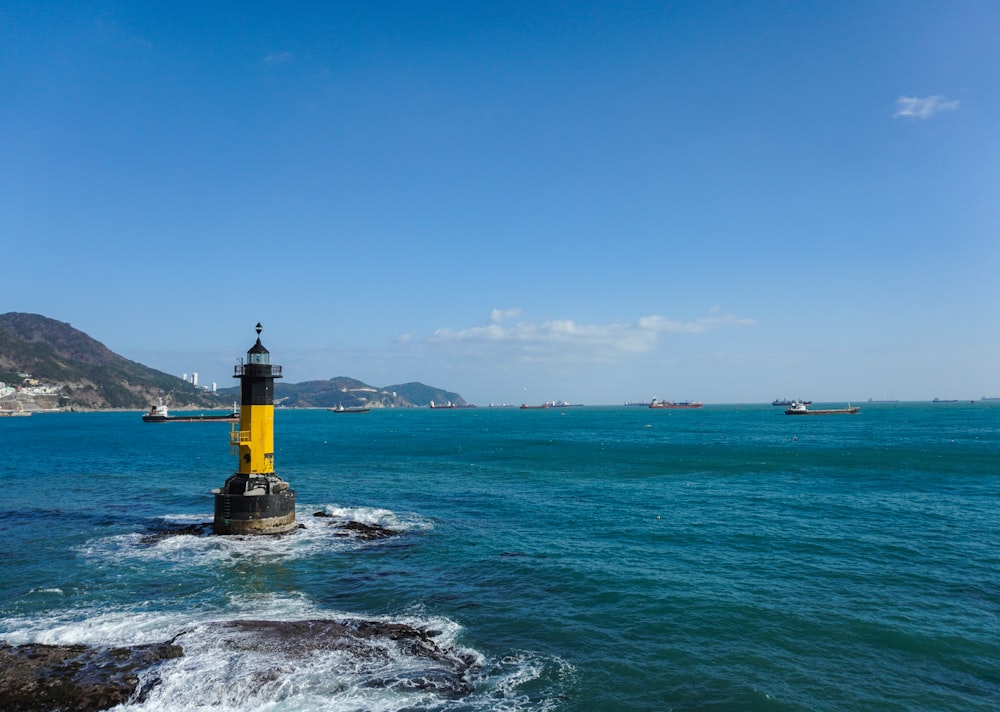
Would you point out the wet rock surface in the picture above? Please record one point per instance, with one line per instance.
(78, 678)
(355, 530)
(360, 530)
(57, 678)
(440, 669)
(153, 537)
(366, 532)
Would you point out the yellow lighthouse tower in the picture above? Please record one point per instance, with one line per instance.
(255, 500)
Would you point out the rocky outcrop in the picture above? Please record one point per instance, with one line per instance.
(81, 678)
(441, 670)
(53, 678)
(359, 530)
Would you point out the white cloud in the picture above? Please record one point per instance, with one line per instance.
(278, 58)
(498, 316)
(714, 320)
(917, 108)
(564, 339)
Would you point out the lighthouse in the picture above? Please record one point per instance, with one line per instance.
(254, 499)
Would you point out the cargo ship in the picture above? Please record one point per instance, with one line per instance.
(671, 404)
(551, 404)
(349, 409)
(800, 409)
(160, 414)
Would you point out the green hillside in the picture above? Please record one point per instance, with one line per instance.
(83, 373)
(78, 372)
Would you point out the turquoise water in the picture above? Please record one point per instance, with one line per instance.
(729, 558)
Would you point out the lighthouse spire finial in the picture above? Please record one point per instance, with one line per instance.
(259, 328)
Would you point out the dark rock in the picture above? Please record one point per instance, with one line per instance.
(444, 670)
(366, 532)
(203, 529)
(360, 530)
(81, 678)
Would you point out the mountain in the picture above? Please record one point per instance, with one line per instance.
(72, 370)
(352, 393)
(423, 395)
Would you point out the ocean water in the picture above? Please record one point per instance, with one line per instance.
(619, 558)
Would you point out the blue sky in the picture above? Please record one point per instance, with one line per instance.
(595, 202)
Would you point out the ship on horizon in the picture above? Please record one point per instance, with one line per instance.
(799, 408)
(656, 403)
(159, 414)
(551, 404)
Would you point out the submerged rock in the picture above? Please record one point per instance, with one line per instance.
(367, 532)
(203, 529)
(360, 530)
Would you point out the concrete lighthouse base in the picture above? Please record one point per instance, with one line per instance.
(254, 504)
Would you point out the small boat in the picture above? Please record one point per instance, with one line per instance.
(672, 404)
(798, 408)
(525, 406)
(442, 406)
(159, 414)
(355, 409)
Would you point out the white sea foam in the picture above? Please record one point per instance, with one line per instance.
(396, 521)
(186, 518)
(512, 673)
(138, 625)
(315, 535)
(222, 669)
(216, 672)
